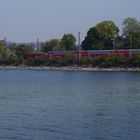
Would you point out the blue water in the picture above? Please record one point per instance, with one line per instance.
(53, 105)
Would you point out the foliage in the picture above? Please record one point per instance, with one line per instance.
(83, 61)
(38, 61)
(135, 60)
(103, 61)
(52, 45)
(131, 32)
(5, 53)
(107, 30)
(22, 51)
(101, 36)
(69, 60)
(130, 26)
(68, 42)
(12, 60)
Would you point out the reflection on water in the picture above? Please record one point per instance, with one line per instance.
(52, 105)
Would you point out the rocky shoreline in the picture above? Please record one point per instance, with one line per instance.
(71, 68)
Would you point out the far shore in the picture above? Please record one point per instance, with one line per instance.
(72, 68)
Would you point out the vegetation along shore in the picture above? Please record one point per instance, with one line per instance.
(103, 36)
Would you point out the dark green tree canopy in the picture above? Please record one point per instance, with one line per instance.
(68, 42)
(101, 36)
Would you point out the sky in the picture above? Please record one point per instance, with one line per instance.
(27, 20)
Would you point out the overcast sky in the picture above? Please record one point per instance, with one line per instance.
(27, 20)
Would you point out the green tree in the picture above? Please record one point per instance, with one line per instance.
(130, 26)
(2, 50)
(101, 36)
(5, 53)
(131, 33)
(52, 45)
(22, 51)
(68, 42)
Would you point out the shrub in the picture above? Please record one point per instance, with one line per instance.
(98, 61)
(135, 60)
(83, 61)
(11, 60)
(69, 60)
(38, 61)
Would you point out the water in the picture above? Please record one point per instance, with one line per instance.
(52, 105)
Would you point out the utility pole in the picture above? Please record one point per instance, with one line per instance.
(37, 44)
(79, 44)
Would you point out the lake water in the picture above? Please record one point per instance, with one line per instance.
(60, 105)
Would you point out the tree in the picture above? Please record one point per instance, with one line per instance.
(5, 53)
(101, 36)
(91, 40)
(52, 45)
(22, 51)
(131, 32)
(130, 26)
(2, 51)
(68, 42)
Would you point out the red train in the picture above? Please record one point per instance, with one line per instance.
(77, 54)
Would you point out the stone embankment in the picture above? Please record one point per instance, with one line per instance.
(70, 68)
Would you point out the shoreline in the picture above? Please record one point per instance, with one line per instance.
(72, 68)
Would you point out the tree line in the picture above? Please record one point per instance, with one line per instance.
(103, 36)
(106, 35)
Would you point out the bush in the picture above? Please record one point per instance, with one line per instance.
(38, 61)
(115, 60)
(109, 61)
(69, 60)
(11, 60)
(122, 60)
(83, 61)
(98, 61)
(135, 60)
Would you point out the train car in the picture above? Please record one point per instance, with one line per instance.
(125, 53)
(37, 55)
(55, 54)
(134, 51)
(89, 53)
(97, 53)
(76, 54)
